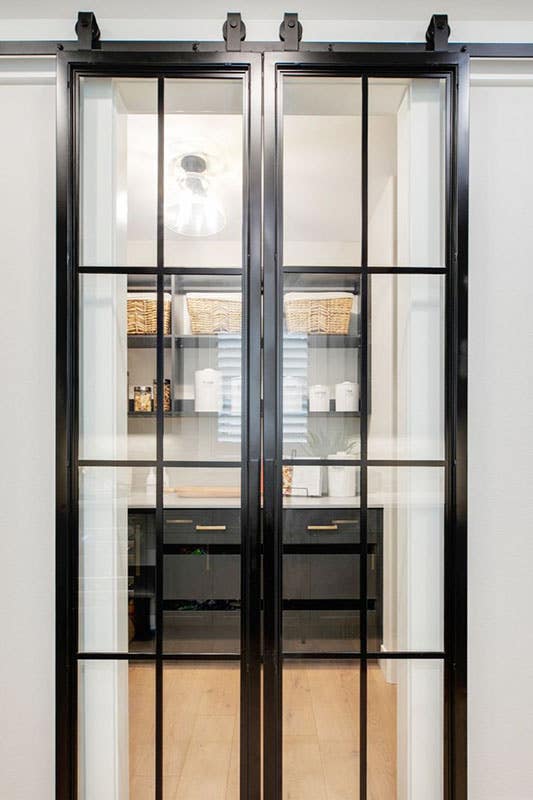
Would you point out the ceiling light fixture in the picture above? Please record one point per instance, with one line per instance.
(194, 209)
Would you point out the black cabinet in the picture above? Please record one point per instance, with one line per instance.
(141, 579)
(202, 579)
(321, 579)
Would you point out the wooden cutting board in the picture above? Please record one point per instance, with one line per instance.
(205, 491)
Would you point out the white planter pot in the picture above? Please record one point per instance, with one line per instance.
(342, 480)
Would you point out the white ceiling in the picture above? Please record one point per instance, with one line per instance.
(261, 10)
(322, 147)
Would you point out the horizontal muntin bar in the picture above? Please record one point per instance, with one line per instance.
(105, 656)
(357, 656)
(407, 270)
(97, 462)
(311, 548)
(289, 604)
(328, 655)
(331, 269)
(214, 271)
(85, 270)
(153, 657)
(316, 462)
(205, 464)
(357, 271)
(118, 270)
(377, 462)
(305, 462)
(346, 462)
(148, 463)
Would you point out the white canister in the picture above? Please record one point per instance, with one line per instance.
(342, 480)
(207, 394)
(346, 396)
(235, 395)
(293, 395)
(319, 397)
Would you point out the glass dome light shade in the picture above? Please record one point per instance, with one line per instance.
(195, 211)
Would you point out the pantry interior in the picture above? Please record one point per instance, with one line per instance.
(199, 316)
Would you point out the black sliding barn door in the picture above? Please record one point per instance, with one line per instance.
(159, 225)
(365, 408)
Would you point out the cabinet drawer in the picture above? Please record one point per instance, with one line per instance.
(201, 577)
(328, 631)
(207, 526)
(326, 576)
(321, 631)
(321, 525)
(201, 632)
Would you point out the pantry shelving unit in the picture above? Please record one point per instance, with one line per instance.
(201, 605)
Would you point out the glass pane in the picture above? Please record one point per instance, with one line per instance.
(411, 500)
(116, 730)
(117, 559)
(202, 560)
(321, 171)
(321, 730)
(118, 172)
(321, 560)
(201, 729)
(405, 729)
(203, 366)
(204, 155)
(321, 365)
(406, 172)
(118, 366)
(407, 367)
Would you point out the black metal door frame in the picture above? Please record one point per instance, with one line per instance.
(161, 59)
(454, 68)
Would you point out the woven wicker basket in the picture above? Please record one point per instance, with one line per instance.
(211, 313)
(142, 314)
(318, 312)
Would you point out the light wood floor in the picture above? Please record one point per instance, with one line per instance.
(321, 735)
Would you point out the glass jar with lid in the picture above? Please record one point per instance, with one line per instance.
(166, 395)
(142, 399)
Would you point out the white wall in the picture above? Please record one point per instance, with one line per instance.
(262, 23)
(27, 422)
(501, 426)
(501, 439)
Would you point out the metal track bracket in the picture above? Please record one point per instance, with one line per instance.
(87, 30)
(290, 32)
(438, 32)
(234, 31)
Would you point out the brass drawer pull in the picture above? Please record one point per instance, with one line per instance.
(344, 521)
(179, 521)
(210, 527)
(322, 527)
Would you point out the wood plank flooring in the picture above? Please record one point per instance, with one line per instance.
(321, 732)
